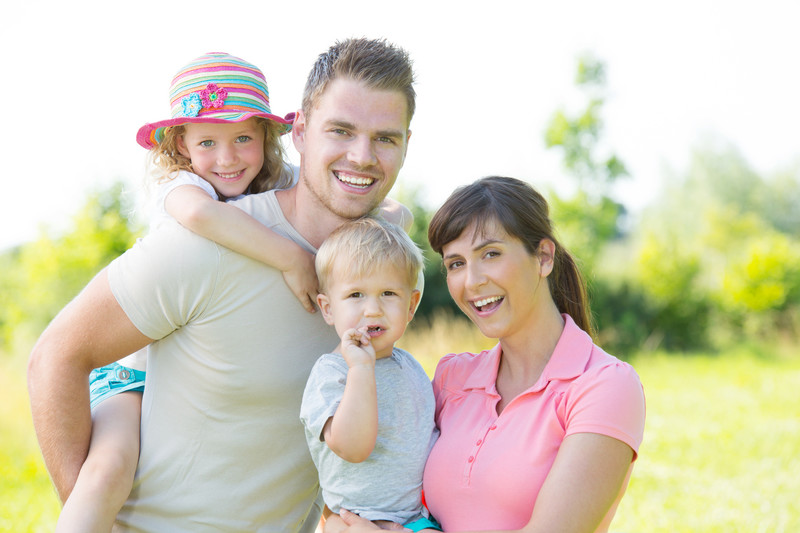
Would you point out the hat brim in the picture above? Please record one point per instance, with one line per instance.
(150, 135)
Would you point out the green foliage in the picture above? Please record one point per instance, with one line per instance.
(42, 276)
(579, 135)
(436, 297)
(585, 226)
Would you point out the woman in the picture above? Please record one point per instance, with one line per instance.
(540, 432)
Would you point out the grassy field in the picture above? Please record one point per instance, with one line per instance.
(721, 449)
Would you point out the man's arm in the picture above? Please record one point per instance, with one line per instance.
(91, 331)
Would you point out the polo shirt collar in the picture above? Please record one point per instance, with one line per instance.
(569, 360)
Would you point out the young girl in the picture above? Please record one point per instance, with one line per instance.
(222, 142)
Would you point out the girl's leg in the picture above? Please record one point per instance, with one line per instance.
(106, 477)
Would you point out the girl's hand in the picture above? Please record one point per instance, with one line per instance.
(301, 278)
(355, 523)
(357, 348)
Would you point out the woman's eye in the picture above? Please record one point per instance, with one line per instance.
(454, 264)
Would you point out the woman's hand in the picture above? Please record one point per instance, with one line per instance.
(356, 524)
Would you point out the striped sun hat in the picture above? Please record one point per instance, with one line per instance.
(216, 88)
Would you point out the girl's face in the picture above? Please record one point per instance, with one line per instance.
(494, 280)
(228, 156)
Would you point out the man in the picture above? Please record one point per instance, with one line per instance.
(222, 448)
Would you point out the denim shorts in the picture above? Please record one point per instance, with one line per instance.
(108, 381)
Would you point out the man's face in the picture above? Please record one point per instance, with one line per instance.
(352, 146)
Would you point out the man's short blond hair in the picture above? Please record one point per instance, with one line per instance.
(374, 62)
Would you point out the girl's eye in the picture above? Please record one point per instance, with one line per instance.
(206, 144)
(243, 138)
(354, 295)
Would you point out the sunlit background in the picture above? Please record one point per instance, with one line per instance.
(693, 257)
(79, 78)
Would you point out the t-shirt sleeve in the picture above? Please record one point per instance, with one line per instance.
(166, 279)
(608, 400)
(322, 395)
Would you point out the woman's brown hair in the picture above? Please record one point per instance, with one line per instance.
(523, 213)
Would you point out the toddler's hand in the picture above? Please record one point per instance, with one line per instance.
(357, 348)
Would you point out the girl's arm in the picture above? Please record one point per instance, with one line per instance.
(352, 430)
(233, 228)
(396, 213)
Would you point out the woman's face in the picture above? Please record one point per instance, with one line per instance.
(494, 280)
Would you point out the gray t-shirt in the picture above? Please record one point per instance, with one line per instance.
(388, 484)
(222, 448)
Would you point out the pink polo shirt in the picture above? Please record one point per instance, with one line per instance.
(485, 471)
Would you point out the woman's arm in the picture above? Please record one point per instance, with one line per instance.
(585, 480)
(235, 229)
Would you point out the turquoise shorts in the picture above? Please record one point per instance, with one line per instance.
(423, 523)
(108, 381)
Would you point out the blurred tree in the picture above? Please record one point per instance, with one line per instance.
(42, 276)
(436, 297)
(590, 218)
(720, 248)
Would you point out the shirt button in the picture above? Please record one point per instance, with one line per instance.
(479, 442)
(471, 458)
(493, 427)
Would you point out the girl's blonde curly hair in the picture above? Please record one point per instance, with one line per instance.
(166, 160)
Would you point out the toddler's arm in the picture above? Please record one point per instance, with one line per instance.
(352, 430)
(235, 229)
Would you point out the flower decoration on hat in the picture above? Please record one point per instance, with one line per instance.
(213, 96)
(192, 105)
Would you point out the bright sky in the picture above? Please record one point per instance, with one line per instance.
(79, 78)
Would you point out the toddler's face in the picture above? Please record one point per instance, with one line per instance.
(381, 300)
(228, 156)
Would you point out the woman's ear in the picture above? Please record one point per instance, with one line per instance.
(546, 254)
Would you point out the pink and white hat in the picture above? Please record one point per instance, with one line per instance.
(215, 88)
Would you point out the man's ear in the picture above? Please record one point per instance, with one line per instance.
(324, 304)
(299, 131)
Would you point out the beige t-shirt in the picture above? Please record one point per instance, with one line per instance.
(222, 445)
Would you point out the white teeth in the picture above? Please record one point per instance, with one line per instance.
(228, 176)
(354, 180)
(487, 301)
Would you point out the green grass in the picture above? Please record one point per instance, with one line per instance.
(721, 450)
(28, 502)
